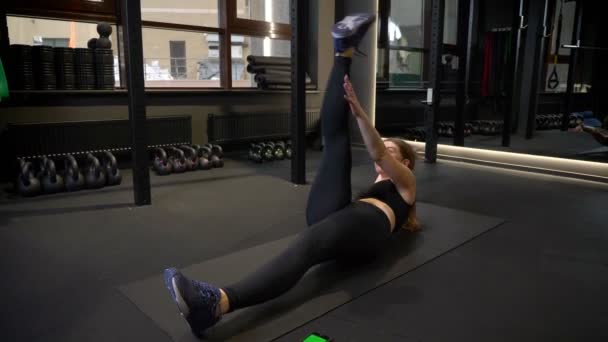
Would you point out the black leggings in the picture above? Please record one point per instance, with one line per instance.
(338, 228)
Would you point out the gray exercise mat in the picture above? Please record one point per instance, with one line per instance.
(322, 289)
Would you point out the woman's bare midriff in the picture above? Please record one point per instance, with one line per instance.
(384, 207)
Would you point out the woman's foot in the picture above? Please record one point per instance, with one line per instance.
(197, 301)
(348, 32)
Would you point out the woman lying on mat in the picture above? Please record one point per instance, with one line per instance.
(339, 228)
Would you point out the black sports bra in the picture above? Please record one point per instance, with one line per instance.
(387, 192)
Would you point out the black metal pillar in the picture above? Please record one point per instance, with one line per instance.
(528, 60)
(298, 18)
(465, 33)
(512, 109)
(539, 61)
(4, 41)
(576, 40)
(432, 111)
(134, 57)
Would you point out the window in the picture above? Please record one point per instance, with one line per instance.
(55, 42)
(184, 12)
(450, 22)
(177, 52)
(205, 43)
(276, 11)
(403, 51)
(242, 46)
(57, 33)
(186, 43)
(180, 58)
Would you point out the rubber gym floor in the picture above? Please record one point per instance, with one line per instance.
(540, 276)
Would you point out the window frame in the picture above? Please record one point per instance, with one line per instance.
(229, 24)
(109, 11)
(78, 10)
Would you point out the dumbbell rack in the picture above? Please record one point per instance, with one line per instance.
(270, 151)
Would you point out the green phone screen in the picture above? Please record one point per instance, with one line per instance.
(315, 338)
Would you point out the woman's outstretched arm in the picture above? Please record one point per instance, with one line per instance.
(401, 175)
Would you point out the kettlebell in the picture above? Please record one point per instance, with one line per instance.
(217, 150)
(161, 164)
(40, 167)
(191, 157)
(203, 154)
(73, 178)
(51, 181)
(177, 160)
(94, 177)
(110, 167)
(216, 161)
(27, 184)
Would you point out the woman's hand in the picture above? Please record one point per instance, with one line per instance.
(352, 99)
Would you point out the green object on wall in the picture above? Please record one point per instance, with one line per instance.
(3, 83)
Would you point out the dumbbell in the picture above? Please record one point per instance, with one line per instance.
(27, 184)
(571, 121)
(449, 130)
(549, 121)
(557, 120)
(251, 151)
(178, 160)
(279, 150)
(255, 153)
(468, 129)
(421, 134)
(267, 151)
(475, 127)
(72, 177)
(499, 127)
(579, 118)
(492, 127)
(483, 128)
(110, 167)
(288, 151)
(161, 164)
(94, 177)
(271, 146)
(539, 122)
(546, 121)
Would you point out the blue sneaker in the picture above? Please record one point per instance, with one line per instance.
(197, 301)
(349, 31)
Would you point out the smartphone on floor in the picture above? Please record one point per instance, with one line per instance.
(316, 337)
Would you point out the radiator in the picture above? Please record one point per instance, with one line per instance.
(255, 127)
(59, 138)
